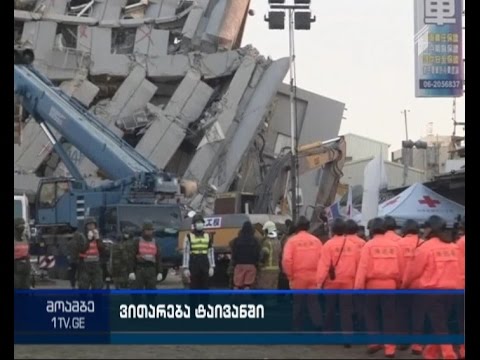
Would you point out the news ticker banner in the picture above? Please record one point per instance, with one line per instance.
(213, 317)
(438, 48)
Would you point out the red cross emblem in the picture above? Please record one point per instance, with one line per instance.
(427, 200)
(393, 201)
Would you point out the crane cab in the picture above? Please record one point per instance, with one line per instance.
(56, 200)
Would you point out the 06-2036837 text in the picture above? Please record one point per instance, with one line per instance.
(177, 311)
(440, 84)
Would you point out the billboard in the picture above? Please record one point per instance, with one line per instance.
(438, 48)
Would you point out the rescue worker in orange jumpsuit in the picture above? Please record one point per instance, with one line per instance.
(380, 267)
(461, 310)
(300, 261)
(410, 310)
(352, 229)
(390, 227)
(336, 270)
(436, 265)
(21, 256)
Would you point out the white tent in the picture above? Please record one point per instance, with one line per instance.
(419, 203)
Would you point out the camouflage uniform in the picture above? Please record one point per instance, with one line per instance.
(89, 272)
(146, 270)
(21, 270)
(119, 261)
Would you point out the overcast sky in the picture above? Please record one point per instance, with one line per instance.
(361, 52)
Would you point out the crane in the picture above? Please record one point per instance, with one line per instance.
(137, 190)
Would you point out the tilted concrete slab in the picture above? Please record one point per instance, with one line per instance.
(252, 118)
(189, 100)
(134, 94)
(205, 158)
(82, 90)
(193, 21)
(164, 137)
(209, 40)
(209, 147)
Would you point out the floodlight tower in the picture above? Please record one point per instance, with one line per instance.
(299, 18)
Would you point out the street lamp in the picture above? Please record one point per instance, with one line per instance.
(299, 18)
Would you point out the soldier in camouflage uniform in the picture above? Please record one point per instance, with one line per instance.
(88, 248)
(145, 260)
(119, 260)
(21, 256)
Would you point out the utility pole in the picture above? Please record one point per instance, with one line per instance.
(405, 149)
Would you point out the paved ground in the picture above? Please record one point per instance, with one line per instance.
(196, 352)
(191, 352)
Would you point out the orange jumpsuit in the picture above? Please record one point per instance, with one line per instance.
(437, 265)
(299, 263)
(357, 240)
(343, 254)
(410, 308)
(393, 235)
(380, 267)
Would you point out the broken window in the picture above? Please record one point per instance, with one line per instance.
(66, 36)
(135, 9)
(123, 40)
(80, 7)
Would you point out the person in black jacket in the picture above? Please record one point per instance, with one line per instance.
(245, 256)
(282, 278)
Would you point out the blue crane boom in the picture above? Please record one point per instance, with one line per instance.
(52, 108)
(138, 190)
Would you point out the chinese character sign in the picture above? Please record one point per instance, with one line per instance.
(213, 223)
(438, 48)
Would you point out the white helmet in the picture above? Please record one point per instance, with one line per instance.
(269, 226)
(272, 234)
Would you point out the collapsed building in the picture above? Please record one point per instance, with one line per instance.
(172, 79)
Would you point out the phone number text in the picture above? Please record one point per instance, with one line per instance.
(440, 84)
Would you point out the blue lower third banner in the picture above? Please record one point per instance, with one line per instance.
(239, 317)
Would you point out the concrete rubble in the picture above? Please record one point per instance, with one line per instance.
(171, 78)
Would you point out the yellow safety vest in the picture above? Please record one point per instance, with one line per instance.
(199, 244)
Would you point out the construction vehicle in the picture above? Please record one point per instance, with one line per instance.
(327, 158)
(136, 190)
